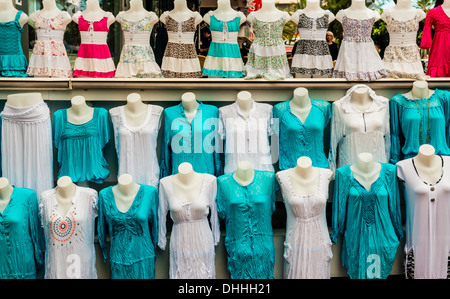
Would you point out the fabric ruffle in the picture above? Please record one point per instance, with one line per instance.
(13, 66)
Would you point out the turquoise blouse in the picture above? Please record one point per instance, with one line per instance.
(13, 62)
(80, 147)
(134, 234)
(247, 212)
(370, 222)
(21, 236)
(195, 142)
(410, 128)
(297, 139)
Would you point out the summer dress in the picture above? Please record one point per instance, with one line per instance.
(13, 62)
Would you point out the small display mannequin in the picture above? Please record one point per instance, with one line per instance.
(403, 11)
(366, 171)
(187, 184)
(361, 99)
(181, 13)
(269, 13)
(245, 101)
(21, 100)
(190, 105)
(428, 164)
(49, 11)
(137, 12)
(6, 190)
(125, 192)
(65, 190)
(135, 110)
(244, 173)
(224, 12)
(359, 11)
(79, 113)
(8, 13)
(93, 13)
(300, 104)
(419, 90)
(304, 177)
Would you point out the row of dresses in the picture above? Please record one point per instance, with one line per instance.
(368, 220)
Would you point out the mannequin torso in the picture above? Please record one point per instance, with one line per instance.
(6, 190)
(361, 99)
(181, 13)
(403, 11)
(366, 171)
(269, 13)
(8, 13)
(313, 10)
(21, 100)
(50, 11)
(446, 7)
(65, 191)
(224, 12)
(125, 192)
(300, 104)
(304, 177)
(93, 13)
(79, 113)
(244, 173)
(428, 165)
(419, 91)
(136, 13)
(187, 184)
(245, 102)
(190, 105)
(135, 110)
(358, 11)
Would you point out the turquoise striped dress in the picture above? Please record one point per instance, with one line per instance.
(224, 56)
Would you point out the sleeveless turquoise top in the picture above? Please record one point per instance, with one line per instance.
(13, 62)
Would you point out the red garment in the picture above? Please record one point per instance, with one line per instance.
(439, 60)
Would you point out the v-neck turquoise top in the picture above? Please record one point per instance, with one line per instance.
(21, 236)
(132, 248)
(297, 139)
(193, 141)
(370, 222)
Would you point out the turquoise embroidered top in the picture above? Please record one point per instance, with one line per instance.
(247, 212)
(299, 139)
(369, 220)
(13, 62)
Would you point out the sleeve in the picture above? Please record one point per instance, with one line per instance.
(104, 126)
(36, 229)
(56, 131)
(102, 225)
(394, 202)
(426, 39)
(270, 130)
(277, 116)
(220, 201)
(163, 209)
(214, 219)
(336, 134)
(444, 99)
(115, 127)
(275, 189)
(94, 202)
(339, 206)
(387, 134)
(153, 219)
(217, 146)
(166, 149)
(395, 131)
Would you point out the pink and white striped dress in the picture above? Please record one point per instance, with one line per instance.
(94, 58)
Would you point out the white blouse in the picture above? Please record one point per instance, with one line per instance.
(246, 139)
(69, 239)
(136, 146)
(354, 132)
(427, 220)
(192, 238)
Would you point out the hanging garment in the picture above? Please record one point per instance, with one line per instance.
(13, 62)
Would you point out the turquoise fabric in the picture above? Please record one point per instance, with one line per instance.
(297, 139)
(13, 62)
(194, 142)
(80, 147)
(247, 212)
(407, 124)
(132, 248)
(21, 236)
(370, 222)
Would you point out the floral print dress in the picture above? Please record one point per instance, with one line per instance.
(137, 58)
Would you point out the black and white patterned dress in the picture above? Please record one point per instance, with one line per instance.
(312, 54)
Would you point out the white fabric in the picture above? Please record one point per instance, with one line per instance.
(356, 57)
(224, 63)
(224, 37)
(54, 62)
(427, 220)
(312, 61)
(69, 239)
(94, 37)
(354, 132)
(402, 38)
(136, 38)
(181, 37)
(131, 69)
(55, 35)
(307, 247)
(405, 68)
(94, 65)
(312, 34)
(27, 148)
(266, 51)
(246, 139)
(180, 65)
(254, 72)
(136, 146)
(192, 239)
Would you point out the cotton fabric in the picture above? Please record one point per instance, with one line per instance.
(13, 62)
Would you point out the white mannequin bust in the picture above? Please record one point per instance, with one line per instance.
(361, 99)
(187, 184)
(125, 192)
(79, 113)
(366, 171)
(6, 190)
(94, 13)
(190, 105)
(137, 12)
(419, 90)
(268, 13)
(304, 177)
(49, 11)
(65, 191)
(446, 7)
(181, 13)
(21, 100)
(224, 12)
(245, 101)
(403, 11)
(8, 13)
(428, 164)
(313, 10)
(135, 110)
(359, 11)
(244, 173)
(300, 104)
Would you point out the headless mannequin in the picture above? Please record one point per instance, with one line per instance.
(65, 191)
(79, 113)
(125, 192)
(49, 11)
(428, 165)
(93, 13)
(135, 110)
(361, 99)
(359, 11)
(136, 13)
(300, 104)
(190, 105)
(244, 173)
(245, 102)
(366, 171)
(181, 13)
(21, 100)
(403, 11)
(6, 190)
(8, 13)
(419, 91)
(224, 12)
(304, 177)
(268, 13)
(187, 184)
